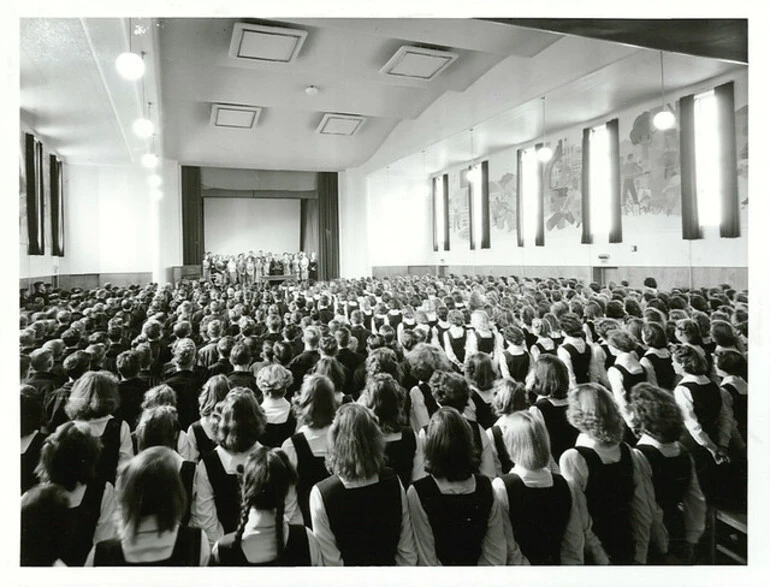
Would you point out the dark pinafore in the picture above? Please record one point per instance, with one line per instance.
(580, 362)
(275, 434)
(518, 365)
(629, 380)
(539, 517)
(400, 455)
(560, 432)
(310, 470)
(186, 553)
(459, 521)
(545, 351)
(427, 396)
(227, 492)
(740, 408)
(502, 452)
(29, 460)
(81, 524)
(484, 414)
(458, 345)
(107, 466)
(664, 370)
(204, 443)
(485, 344)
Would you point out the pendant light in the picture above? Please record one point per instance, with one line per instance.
(130, 65)
(664, 119)
(544, 153)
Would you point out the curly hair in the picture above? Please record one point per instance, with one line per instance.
(158, 426)
(356, 444)
(449, 450)
(621, 340)
(424, 359)
(690, 359)
(656, 412)
(69, 456)
(382, 360)
(550, 377)
(332, 368)
(241, 421)
(273, 380)
(450, 389)
(510, 397)
(160, 395)
(214, 391)
(94, 395)
(385, 397)
(654, 336)
(479, 371)
(592, 411)
(315, 404)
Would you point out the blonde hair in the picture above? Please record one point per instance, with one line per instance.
(480, 320)
(274, 380)
(592, 410)
(526, 439)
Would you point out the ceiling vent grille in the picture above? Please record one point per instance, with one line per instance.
(345, 125)
(234, 116)
(266, 43)
(418, 63)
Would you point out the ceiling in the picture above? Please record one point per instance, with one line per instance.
(72, 97)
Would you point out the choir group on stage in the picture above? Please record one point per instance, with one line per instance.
(411, 420)
(253, 268)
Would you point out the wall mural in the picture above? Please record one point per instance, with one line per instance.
(562, 193)
(742, 149)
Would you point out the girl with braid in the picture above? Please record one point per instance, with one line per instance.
(264, 537)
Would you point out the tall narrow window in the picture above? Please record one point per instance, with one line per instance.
(474, 185)
(438, 206)
(530, 187)
(707, 161)
(600, 183)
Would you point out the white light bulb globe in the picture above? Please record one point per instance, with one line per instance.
(664, 120)
(154, 181)
(130, 65)
(149, 160)
(544, 154)
(143, 128)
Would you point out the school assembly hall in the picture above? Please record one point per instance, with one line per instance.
(383, 291)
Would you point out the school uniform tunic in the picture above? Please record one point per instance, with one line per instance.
(31, 445)
(553, 413)
(180, 547)
(200, 439)
(90, 520)
(738, 390)
(479, 408)
(456, 522)
(281, 423)
(623, 375)
(363, 523)
(515, 363)
(575, 353)
(659, 367)
(116, 444)
(306, 450)
(422, 406)
(400, 449)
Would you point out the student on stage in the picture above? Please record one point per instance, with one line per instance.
(360, 515)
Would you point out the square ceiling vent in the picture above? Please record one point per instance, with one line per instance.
(234, 116)
(340, 124)
(266, 43)
(418, 63)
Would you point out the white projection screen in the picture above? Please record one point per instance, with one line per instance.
(240, 225)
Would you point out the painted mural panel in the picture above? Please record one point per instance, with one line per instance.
(459, 213)
(562, 193)
(502, 199)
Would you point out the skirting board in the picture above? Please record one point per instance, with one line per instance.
(88, 280)
(667, 277)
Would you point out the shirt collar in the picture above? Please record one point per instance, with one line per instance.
(668, 449)
(536, 478)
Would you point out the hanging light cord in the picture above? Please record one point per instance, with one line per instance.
(662, 91)
(543, 99)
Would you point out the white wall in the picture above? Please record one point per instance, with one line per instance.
(235, 225)
(354, 241)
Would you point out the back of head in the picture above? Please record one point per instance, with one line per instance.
(316, 405)
(328, 346)
(571, 325)
(731, 362)
(240, 356)
(527, 441)
(160, 395)
(224, 346)
(214, 391)
(241, 421)
(450, 389)
(128, 364)
(273, 380)
(592, 410)
(356, 444)
(510, 397)
(69, 456)
(31, 410)
(44, 524)
(479, 371)
(149, 486)
(656, 412)
(267, 477)
(621, 340)
(385, 397)
(76, 364)
(331, 368)
(94, 395)
(449, 450)
(158, 426)
(382, 360)
(550, 377)
(41, 360)
(184, 353)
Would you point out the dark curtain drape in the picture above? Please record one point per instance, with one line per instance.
(471, 214)
(445, 180)
(308, 227)
(33, 242)
(585, 188)
(689, 186)
(329, 229)
(616, 219)
(192, 216)
(519, 198)
(54, 168)
(436, 220)
(729, 225)
(40, 194)
(540, 222)
(485, 236)
(61, 207)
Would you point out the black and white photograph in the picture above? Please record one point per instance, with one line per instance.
(422, 288)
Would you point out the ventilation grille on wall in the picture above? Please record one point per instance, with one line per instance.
(418, 63)
(340, 124)
(266, 43)
(234, 116)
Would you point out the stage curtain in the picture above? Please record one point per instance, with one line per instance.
(329, 231)
(485, 236)
(308, 228)
(434, 209)
(519, 199)
(616, 218)
(689, 186)
(729, 226)
(445, 180)
(56, 204)
(192, 216)
(40, 194)
(585, 188)
(540, 222)
(33, 231)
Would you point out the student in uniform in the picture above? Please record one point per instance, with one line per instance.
(603, 357)
(423, 360)
(480, 374)
(656, 361)
(44, 519)
(624, 373)
(455, 517)
(93, 401)
(152, 503)
(680, 517)
(544, 344)
(575, 352)
(274, 381)
(68, 458)
(483, 338)
(264, 537)
(542, 519)
(331, 368)
(360, 515)
(241, 376)
(32, 438)
(731, 366)
(550, 384)
(385, 397)
(609, 476)
(515, 361)
(314, 409)
(201, 435)
(707, 419)
(216, 508)
(455, 342)
(510, 397)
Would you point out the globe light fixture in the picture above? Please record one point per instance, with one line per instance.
(130, 66)
(149, 160)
